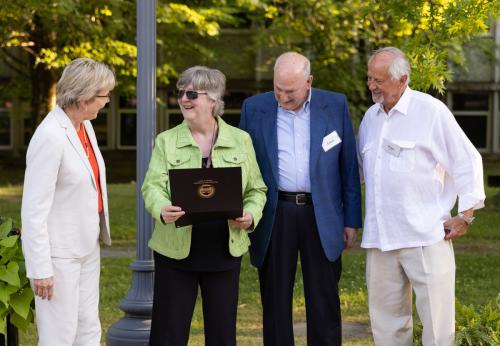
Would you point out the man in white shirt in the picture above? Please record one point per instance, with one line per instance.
(415, 160)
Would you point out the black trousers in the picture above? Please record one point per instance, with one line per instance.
(295, 232)
(175, 293)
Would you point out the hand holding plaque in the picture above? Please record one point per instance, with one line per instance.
(243, 222)
(171, 213)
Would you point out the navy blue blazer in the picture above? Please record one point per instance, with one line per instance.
(335, 185)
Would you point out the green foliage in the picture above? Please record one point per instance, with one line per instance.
(478, 328)
(53, 33)
(16, 296)
(472, 327)
(339, 36)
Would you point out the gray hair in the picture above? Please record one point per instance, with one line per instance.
(210, 80)
(296, 57)
(399, 66)
(81, 80)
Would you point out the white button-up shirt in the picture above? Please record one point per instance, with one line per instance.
(293, 148)
(415, 160)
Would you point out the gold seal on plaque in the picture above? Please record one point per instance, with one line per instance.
(206, 190)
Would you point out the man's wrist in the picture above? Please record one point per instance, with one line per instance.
(467, 219)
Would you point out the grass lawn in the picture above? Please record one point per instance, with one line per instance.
(477, 257)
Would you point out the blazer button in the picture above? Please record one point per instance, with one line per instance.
(177, 161)
(234, 158)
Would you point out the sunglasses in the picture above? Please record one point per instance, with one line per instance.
(190, 94)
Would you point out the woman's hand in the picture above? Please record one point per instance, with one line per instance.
(171, 213)
(44, 288)
(243, 222)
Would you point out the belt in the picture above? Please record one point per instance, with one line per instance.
(299, 198)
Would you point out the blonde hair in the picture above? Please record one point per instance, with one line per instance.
(81, 80)
(211, 80)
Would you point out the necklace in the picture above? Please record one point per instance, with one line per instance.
(85, 141)
(214, 136)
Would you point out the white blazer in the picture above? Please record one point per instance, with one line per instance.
(59, 210)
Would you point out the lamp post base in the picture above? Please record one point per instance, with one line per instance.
(129, 331)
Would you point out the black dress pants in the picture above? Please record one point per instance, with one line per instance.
(175, 293)
(295, 232)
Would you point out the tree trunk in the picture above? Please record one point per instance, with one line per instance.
(43, 80)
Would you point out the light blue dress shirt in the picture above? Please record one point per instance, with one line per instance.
(293, 148)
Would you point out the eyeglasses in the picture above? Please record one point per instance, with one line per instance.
(108, 95)
(190, 94)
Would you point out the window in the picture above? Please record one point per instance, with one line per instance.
(471, 109)
(5, 128)
(127, 129)
(100, 125)
(127, 123)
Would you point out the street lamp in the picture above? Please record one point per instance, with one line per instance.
(133, 329)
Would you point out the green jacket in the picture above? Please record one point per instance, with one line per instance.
(176, 148)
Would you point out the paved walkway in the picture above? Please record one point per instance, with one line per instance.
(350, 330)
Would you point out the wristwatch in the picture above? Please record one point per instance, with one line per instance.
(468, 220)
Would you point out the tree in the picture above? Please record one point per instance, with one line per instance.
(39, 37)
(340, 35)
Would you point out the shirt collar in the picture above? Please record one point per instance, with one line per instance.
(305, 106)
(402, 104)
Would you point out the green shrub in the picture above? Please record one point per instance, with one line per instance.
(472, 327)
(478, 328)
(16, 296)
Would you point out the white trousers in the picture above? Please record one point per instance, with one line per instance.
(390, 276)
(71, 317)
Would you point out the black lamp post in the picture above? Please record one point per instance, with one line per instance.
(134, 327)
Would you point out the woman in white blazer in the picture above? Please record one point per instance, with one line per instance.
(65, 209)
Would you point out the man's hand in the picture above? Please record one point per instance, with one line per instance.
(350, 236)
(455, 228)
(44, 288)
(171, 213)
(243, 222)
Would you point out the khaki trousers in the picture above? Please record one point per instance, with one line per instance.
(71, 317)
(390, 277)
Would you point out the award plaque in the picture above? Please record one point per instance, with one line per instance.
(206, 193)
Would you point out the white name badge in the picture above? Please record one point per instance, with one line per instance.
(330, 140)
(391, 148)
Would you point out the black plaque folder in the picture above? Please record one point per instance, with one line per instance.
(206, 193)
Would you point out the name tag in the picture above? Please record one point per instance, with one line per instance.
(392, 148)
(330, 140)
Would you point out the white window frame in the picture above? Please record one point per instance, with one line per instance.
(496, 122)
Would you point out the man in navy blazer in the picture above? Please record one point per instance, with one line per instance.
(306, 151)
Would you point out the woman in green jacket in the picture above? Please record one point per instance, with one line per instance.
(206, 254)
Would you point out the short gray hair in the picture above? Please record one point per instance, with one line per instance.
(399, 66)
(210, 80)
(81, 80)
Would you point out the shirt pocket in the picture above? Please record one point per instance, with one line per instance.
(178, 160)
(405, 162)
(234, 159)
